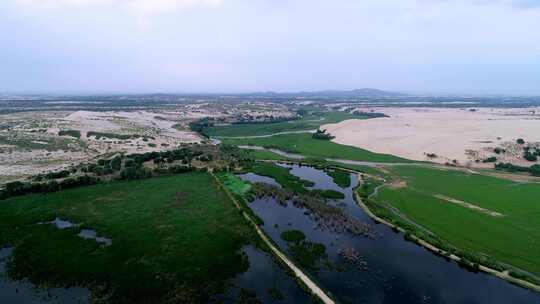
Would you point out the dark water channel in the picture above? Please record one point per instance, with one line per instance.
(392, 269)
(264, 277)
(19, 292)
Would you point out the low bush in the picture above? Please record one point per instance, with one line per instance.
(321, 134)
(72, 133)
(292, 236)
(530, 156)
(133, 173)
(329, 194)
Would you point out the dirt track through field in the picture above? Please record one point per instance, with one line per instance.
(468, 205)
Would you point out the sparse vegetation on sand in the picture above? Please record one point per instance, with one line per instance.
(37, 141)
(533, 170)
(476, 213)
(165, 233)
(304, 144)
(99, 135)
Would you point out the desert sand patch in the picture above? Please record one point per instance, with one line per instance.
(462, 136)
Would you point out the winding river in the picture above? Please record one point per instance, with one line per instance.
(389, 269)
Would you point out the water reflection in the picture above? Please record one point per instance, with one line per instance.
(15, 292)
(268, 281)
(392, 270)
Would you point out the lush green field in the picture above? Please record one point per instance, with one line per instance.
(304, 144)
(308, 122)
(359, 168)
(235, 184)
(267, 155)
(513, 238)
(165, 235)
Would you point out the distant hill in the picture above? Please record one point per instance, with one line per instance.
(357, 93)
(365, 92)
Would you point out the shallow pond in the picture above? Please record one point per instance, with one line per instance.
(12, 291)
(267, 279)
(389, 269)
(92, 234)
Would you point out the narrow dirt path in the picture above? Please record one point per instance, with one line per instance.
(312, 286)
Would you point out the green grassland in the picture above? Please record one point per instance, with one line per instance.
(282, 176)
(165, 234)
(342, 179)
(308, 122)
(266, 155)
(360, 168)
(307, 146)
(513, 238)
(235, 184)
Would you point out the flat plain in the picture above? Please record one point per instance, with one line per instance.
(489, 215)
(307, 146)
(465, 136)
(165, 233)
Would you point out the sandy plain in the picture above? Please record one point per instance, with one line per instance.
(466, 135)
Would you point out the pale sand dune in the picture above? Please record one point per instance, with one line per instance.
(459, 134)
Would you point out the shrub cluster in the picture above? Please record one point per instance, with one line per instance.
(321, 134)
(133, 169)
(21, 188)
(99, 135)
(201, 125)
(491, 159)
(72, 133)
(534, 169)
(53, 175)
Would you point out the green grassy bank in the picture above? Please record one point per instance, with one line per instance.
(477, 213)
(308, 122)
(307, 146)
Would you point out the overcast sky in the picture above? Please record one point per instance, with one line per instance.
(433, 46)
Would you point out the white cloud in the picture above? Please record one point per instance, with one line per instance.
(142, 11)
(445, 45)
(139, 7)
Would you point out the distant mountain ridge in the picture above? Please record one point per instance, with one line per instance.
(364, 92)
(356, 93)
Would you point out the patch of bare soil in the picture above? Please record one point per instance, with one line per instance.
(468, 205)
(397, 184)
